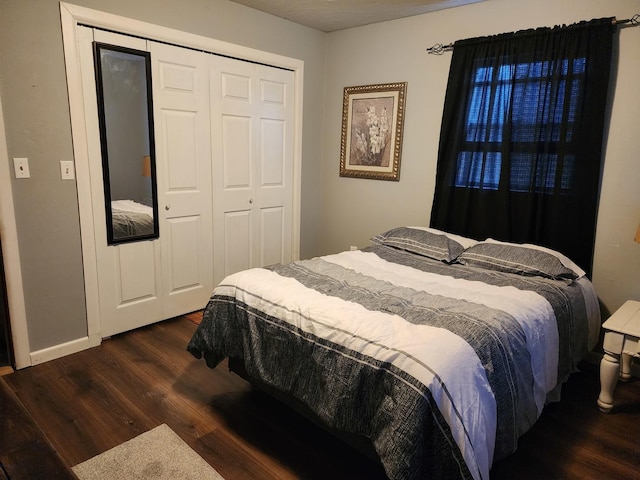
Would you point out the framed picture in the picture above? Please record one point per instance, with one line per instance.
(372, 124)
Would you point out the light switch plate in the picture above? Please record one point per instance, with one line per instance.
(66, 170)
(21, 167)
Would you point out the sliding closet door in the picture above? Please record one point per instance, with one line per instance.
(252, 141)
(183, 156)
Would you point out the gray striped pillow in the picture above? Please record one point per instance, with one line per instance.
(515, 259)
(421, 242)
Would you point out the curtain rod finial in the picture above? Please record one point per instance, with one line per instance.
(439, 49)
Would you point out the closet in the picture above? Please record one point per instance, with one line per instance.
(223, 133)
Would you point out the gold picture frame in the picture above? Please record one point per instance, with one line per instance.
(372, 127)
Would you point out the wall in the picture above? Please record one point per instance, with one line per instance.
(356, 209)
(36, 116)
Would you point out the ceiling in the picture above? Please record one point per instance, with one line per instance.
(331, 15)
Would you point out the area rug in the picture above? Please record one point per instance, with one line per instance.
(159, 454)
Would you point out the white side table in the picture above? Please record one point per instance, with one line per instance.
(621, 339)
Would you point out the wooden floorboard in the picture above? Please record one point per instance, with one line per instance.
(91, 401)
(25, 452)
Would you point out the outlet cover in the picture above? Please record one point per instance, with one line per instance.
(66, 170)
(21, 167)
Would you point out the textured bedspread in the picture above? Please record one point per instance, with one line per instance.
(131, 219)
(442, 366)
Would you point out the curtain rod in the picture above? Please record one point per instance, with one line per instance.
(439, 49)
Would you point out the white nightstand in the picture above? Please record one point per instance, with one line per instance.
(621, 339)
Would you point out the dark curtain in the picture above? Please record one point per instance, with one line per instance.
(521, 139)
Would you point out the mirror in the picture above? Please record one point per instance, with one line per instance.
(125, 112)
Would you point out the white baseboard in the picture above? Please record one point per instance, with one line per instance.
(57, 351)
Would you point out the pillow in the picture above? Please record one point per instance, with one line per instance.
(464, 241)
(566, 261)
(421, 242)
(511, 258)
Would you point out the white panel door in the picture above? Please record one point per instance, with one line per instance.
(183, 156)
(252, 140)
(129, 280)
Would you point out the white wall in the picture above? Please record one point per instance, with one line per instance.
(356, 209)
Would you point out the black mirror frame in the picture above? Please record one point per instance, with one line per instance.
(111, 239)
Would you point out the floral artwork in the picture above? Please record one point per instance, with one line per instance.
(372, 131)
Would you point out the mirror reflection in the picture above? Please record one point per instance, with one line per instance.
(123, 80)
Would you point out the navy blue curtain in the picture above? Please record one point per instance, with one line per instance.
(521, 139)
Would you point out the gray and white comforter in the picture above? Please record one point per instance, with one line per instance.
(131, 219)
(443, 366)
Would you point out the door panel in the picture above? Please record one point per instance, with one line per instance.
(252, 142)
(129, 282)
(272, 149)
(183, 236)
(133, 298)
(238, 240)
(181, 105)
(275, 186)
(137, 273)
(272, 235)
(179, 129)
(179, 78)
(235, 86)
(236, 152)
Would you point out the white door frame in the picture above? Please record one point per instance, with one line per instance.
(73, 15)
(11, 254)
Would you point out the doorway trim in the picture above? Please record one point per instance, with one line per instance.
(12, 267)
(72, 16)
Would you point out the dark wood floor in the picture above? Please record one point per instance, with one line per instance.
(25, 452)
(92, 401)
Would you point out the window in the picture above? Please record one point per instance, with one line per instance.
(536, 112)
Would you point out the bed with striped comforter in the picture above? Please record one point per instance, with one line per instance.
(443, 365)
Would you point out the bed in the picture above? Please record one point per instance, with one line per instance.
(438, 350)
(131, 219)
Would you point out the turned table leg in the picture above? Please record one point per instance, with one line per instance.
(621, 337)
(625, 370)
(609, 372)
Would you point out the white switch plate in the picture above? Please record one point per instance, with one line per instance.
(21, 167)
(66, 170)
